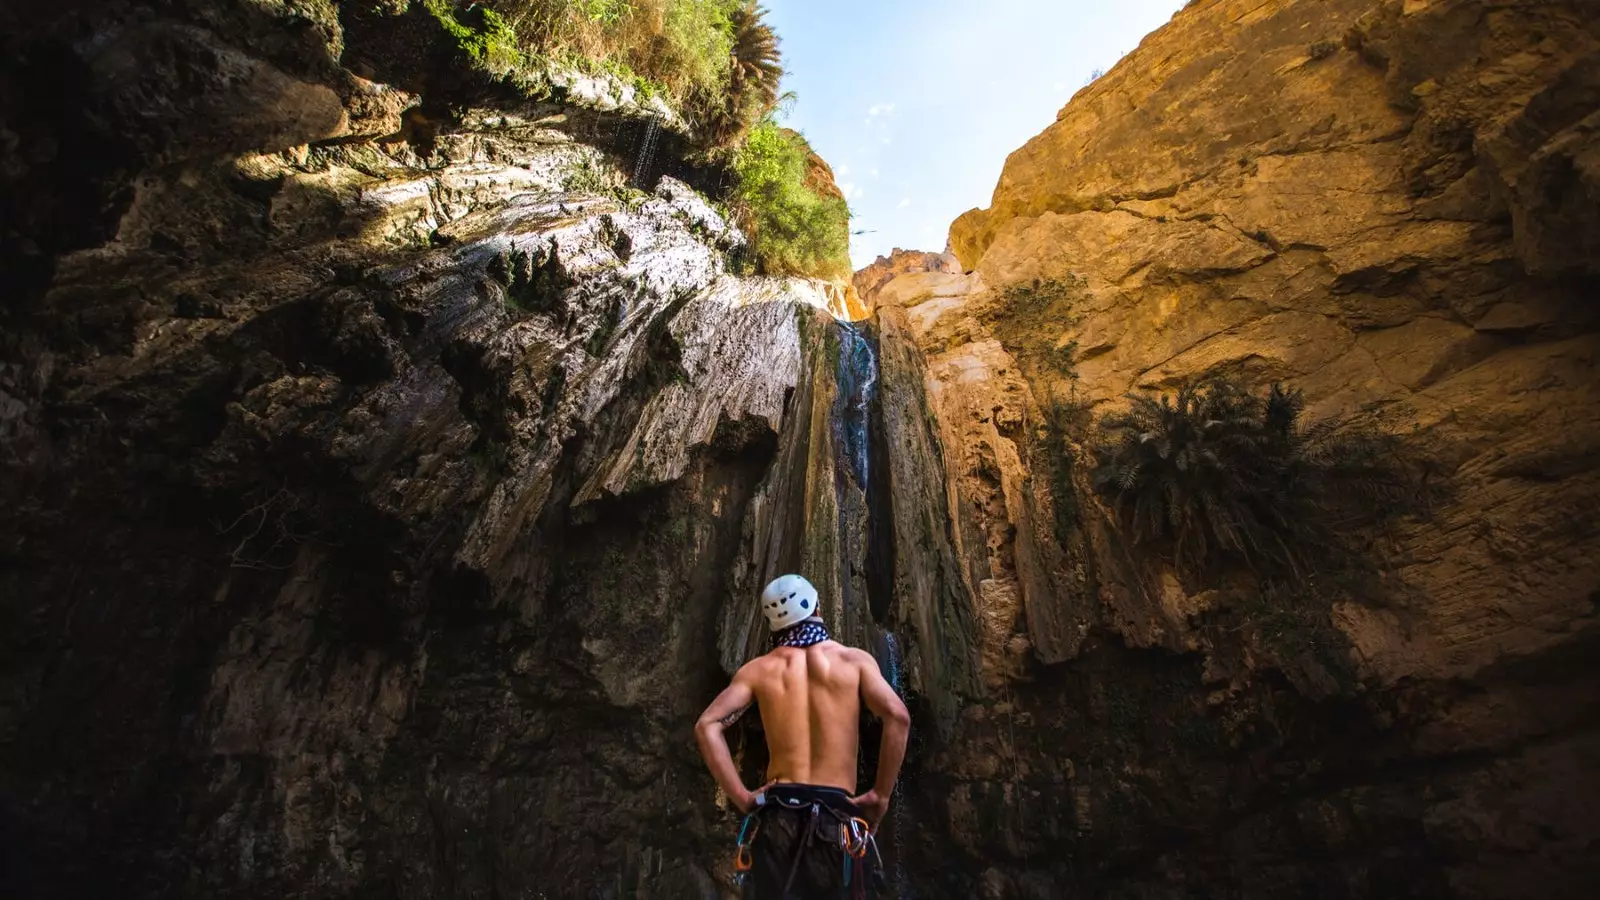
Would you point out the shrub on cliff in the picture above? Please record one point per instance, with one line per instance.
(785, 200)
(480, 33)
(716, 61)
(1216, 475)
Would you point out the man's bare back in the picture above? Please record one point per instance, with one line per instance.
(810, 707)
(810, 702)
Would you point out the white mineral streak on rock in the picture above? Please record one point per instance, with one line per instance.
(741, 353)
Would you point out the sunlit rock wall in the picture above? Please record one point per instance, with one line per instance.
(1387, 205)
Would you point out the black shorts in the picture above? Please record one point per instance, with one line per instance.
(798, 842)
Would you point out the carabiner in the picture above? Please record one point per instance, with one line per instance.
(860, 835)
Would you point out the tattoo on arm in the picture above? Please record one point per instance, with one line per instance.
(733, 717)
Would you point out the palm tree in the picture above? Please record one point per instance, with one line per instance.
(757, 64)
(756, 71)
(1215, 474)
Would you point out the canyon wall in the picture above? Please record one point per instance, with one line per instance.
(1392, 206)
(380, 459)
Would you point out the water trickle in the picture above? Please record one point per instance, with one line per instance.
(858, 385)
(891, 667)
(868, 551)
(890, 836)
(647, 153)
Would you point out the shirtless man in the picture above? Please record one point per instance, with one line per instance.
(810, 826)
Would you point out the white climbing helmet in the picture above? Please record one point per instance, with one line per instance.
(788, 600)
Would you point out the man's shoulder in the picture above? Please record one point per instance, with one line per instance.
(757, 664)
(852, 654)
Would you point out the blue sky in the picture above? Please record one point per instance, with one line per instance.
(917, 103)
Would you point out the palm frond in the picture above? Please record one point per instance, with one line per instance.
(1216, 475)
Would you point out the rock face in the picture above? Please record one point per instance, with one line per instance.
(1386, 205)
(884, 269)
(374, 499)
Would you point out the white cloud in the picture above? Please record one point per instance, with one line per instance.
(1059, 86)
(879, 109)
(885, 142)
(842, 171)
(904, 203)
(850, 191)
(873, 173)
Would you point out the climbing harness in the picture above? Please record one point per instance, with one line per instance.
(743, 859)
(854, 840)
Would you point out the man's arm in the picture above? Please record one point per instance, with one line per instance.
(723, 712)
(887, 706)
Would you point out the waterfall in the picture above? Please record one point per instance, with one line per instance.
(865, 532)
(647, 153)
(891, 664)
(866, 539)
(858, 383)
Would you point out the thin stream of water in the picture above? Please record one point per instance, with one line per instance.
(857, 379)
(897, 806)
(858, 383)
(647, 152)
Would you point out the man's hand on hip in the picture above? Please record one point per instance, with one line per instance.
(748, 801)
(872, 805)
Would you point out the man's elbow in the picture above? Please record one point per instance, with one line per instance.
(705, 728)
(898, 716)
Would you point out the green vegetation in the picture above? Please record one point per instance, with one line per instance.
(480, 33)
(589, 176)
(1066, 423)
(785, 199)
(532, 283)
(753, 82)
(1027, 315)
(1029, 309)
(1040, 295)
(1293, 623)
(1216, 476)
(715, 61)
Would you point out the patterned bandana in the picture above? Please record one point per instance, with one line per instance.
(803, 634)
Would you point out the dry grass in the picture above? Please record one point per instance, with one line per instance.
(682, 48)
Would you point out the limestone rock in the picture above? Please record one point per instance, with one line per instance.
(884, 269)
(1311, 244)
(1391, 206)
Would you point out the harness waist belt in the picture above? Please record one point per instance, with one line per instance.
(800, 796)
